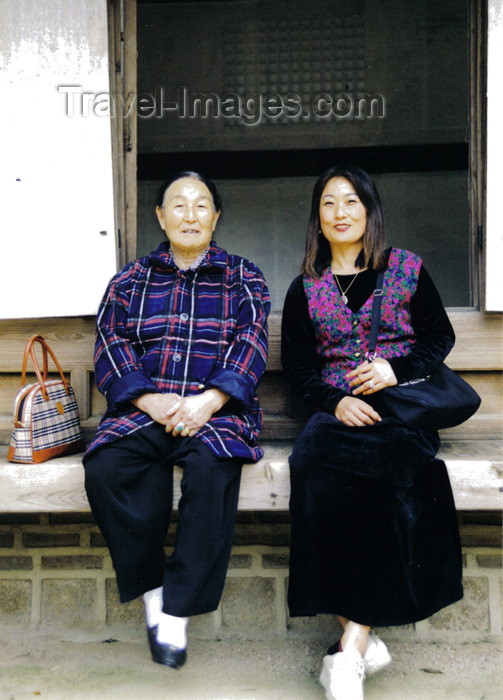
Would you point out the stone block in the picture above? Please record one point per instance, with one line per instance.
(240, 561)
(272, 517)
(275, 561)
(19, 518)
(248, 516)
(482, 517)
(480, 535)
(169, 540)
(69, 603)
(401, 632)
(71, 518)
(203, 626)
(15, 602)
(14, 563)
(97, 540)
(492, 560)
(469, 614)
(272, 534)
(51, 539)
(79, 561)
(249, 603)
(328, 625)
(132, 613)
(6, 539)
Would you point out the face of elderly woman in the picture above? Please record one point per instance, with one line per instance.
(188, 216)
(343, 217)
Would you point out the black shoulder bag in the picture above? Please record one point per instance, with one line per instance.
(440, 400)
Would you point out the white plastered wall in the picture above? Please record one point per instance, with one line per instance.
(494, 217)
(57, 239)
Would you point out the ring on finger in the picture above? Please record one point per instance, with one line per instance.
(180, 427)
(371, 383)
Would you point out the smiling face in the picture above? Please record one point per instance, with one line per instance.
(188, 217)
(343, 217)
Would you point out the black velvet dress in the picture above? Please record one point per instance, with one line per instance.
(374, 528)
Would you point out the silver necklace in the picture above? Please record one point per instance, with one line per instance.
(343, 293)
(194, 264)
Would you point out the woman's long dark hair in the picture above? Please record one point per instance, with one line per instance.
(317, 254)
(217, 201)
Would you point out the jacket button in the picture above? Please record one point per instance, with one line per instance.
(176, 357)
(184, 317)
(200, 387)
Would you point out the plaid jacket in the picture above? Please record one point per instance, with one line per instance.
(161, 329)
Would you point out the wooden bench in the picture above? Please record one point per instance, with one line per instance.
(472, 451)
(58, 485)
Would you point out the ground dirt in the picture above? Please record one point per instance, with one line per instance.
(54, 668)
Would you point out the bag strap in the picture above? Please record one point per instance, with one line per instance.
(29, 351)
(376, 314)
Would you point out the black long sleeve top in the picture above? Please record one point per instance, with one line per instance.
(302, 365)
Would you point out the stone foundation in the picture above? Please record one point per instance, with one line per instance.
(55, 572)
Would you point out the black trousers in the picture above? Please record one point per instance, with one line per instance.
(129, 485)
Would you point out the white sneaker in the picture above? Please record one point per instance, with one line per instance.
(376, 656)
(342, 675)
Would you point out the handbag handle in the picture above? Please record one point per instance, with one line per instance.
(29, 351)
(376, 314)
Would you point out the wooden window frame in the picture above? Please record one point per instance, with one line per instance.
(123, 79)
(493, 143)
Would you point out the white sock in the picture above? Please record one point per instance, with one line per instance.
(172, 630)
(153, 606)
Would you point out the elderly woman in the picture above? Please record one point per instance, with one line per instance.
(374, 531)
(181, 346)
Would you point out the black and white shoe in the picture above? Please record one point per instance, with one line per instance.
(165, 654)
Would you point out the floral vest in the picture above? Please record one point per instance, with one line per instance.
(342, 336)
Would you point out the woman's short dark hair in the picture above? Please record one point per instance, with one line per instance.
(217, 201)
(317, 253)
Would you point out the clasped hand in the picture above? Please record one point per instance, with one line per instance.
(367, 378)
(182, 415)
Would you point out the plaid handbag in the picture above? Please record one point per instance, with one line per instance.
(46, 415)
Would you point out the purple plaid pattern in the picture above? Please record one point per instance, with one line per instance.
(44, 425)
(161, 329)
